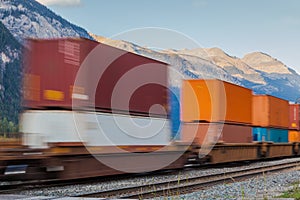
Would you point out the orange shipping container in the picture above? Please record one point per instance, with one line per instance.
(215, 101)
(294, 136)
(269, 111)
(210, 133)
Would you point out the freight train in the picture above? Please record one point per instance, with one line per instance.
(94, 110)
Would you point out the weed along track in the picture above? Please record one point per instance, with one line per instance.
(188, 185)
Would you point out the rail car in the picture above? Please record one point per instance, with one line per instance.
(74, 161)
(76, 124)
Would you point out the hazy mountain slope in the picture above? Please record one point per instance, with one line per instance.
(28, 18)
(280, 79)
(232, 65)
(258, 71)
(188, 66)
(265, 63)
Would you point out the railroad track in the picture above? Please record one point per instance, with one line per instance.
(188, 185)
(9, 187)
(15, 186)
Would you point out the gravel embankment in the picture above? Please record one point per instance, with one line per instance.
(263, 187)
(251, 188)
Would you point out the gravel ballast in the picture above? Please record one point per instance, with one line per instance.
(262, 186)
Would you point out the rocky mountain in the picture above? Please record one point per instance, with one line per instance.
(28, 18)
(265, 63)
(188, 66)
(20, 19)
(258, 71)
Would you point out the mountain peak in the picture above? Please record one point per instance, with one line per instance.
(265, 63)
(259, 54)
(254, 71)
(215, 51)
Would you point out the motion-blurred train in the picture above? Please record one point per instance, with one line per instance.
(94, 110)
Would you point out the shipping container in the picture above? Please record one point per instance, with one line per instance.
(269, 111)
(294, 117)
(294, 136)
(175, 112)
(150, 78)
(50, 70)
(270, 134)
(109, 79)
(211, 133)
(107, 129)
(41, 127)
(215, 101)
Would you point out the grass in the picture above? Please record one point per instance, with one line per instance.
(6, 139)
(167, 194)
(293, 193)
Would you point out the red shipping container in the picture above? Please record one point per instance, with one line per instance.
(294, 117)
(210, 133)
(50, 70)
(111, 79)
(130, 83)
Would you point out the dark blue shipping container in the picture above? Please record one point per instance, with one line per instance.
(269, 134)
(175, 112)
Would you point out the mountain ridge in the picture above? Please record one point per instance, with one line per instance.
(32, 19)
(257, 70)
(261, 61)
(20, 19)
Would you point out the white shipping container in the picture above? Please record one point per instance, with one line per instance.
(94, 129)
(42, 127)
(107, 130)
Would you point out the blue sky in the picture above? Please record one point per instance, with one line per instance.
(236, 26)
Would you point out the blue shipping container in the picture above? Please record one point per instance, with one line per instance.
(175, 112)
(270, 134)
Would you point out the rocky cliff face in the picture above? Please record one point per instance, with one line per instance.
(28, 18)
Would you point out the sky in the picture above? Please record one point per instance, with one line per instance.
(238, 27)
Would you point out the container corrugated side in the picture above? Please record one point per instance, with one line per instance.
(294, 136)
(215, 101)
(105, 129)
(270, 134)
(294, 118)
(50, 69)
(92, 129)
(41, 127)
(269, 111)
(131, 83)
(52, 65)
(210, 133)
